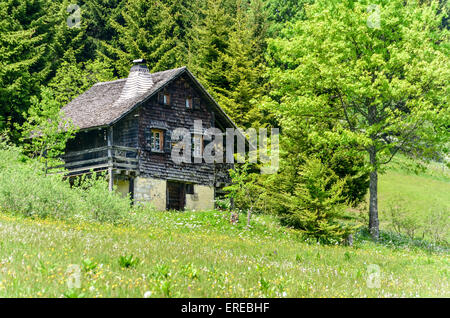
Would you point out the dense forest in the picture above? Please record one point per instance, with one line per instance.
(351, 84)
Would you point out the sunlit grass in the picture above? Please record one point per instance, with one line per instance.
(202, 255)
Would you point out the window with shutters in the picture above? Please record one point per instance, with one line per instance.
(157, 140)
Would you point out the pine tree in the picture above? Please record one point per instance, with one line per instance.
(74, 78)
(226, 55)
(149, 30)
(99, 15)
(316, 205)
(208, 43)
(245, 66)
(21, 53)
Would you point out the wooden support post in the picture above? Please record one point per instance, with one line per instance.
(110, 158)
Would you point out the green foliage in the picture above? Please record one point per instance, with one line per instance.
(226, 50)
(316, 206)
(244, 189)
(25, 190)
(381, 89)
(46, 131)
(103, 205)
(21, 54)
(74, 78)
(89, 265)
(74, 293)
(128, 261)
(389, 91)
(154, 30)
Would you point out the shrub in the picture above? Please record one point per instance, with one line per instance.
(437, 225)
(316, 205)
(101, 204)
(128, 261)
(402, 221)
(26, 190)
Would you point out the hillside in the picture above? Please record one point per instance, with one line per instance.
(48, 230)
(418, 194)
(199, 254)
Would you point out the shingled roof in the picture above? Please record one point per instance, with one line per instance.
(107, 102)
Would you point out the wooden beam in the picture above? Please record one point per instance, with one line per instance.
(83, 152)
(131, 149)
(126, 159)
(110, 158)
(124, 165)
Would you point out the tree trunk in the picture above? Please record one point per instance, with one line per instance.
(373, 200)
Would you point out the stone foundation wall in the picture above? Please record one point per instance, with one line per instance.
(154, 191)
(202, 199)
(151, 190)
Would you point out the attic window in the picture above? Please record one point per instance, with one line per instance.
(189, 102)
(166, 99)
(157, 140)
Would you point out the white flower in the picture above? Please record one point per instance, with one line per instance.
(147, 294)
(284, 294)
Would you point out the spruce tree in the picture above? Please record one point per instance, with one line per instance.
(21, 53)
(149, 30)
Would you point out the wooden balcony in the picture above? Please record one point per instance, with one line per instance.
(117, 158)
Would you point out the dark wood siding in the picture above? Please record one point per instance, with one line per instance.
(85, 140)
(175, 115)
(126, 131)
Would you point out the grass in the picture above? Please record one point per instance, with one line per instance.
(418, 192)
(202, 255)
(56, 241)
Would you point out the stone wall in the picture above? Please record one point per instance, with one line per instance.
(151, 190)
(154, 191)
(202, 199)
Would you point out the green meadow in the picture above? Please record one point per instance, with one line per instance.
(200, 254)
(74, 250)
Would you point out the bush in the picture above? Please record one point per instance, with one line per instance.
(437, 225)
(316, 205)
(433, 225)
(26, 190)
(402, 221)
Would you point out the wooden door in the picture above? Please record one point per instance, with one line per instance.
(176, 196)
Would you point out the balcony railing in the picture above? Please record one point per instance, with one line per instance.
(98, 159)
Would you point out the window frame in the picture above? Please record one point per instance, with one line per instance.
(166, 99)
(153, 132)
(189, 103)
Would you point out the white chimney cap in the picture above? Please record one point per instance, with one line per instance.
(139, 61)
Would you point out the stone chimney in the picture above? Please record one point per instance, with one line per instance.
(138, 82)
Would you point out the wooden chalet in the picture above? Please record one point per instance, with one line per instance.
(125, 128)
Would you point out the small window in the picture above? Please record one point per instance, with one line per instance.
(189, 188)
(189, 103)
(166, 99)
(157, 140)
(197, 145)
